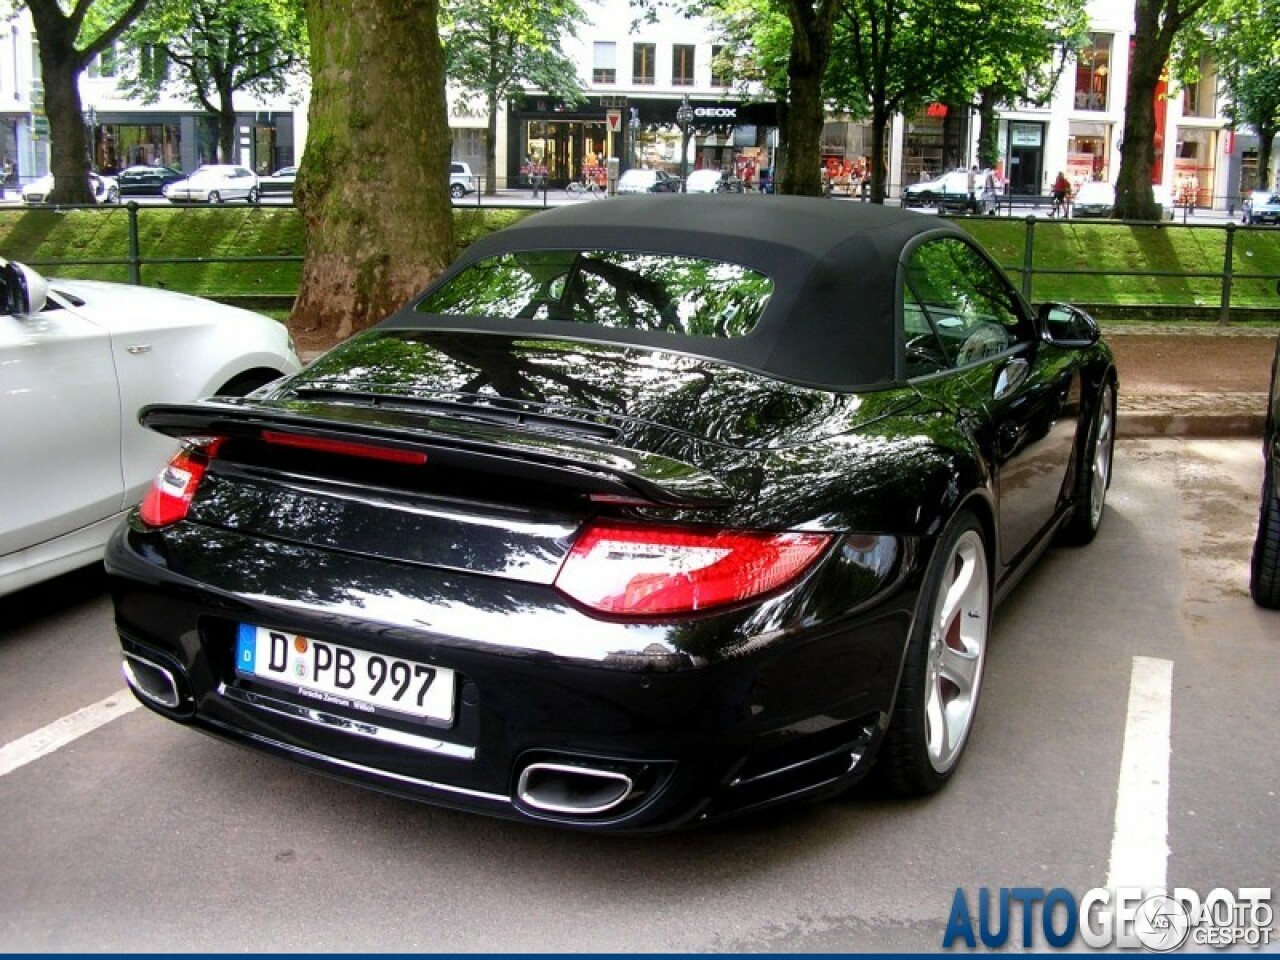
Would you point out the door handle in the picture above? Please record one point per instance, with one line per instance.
(1010, 376)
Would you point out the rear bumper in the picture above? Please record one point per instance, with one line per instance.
(694, 732)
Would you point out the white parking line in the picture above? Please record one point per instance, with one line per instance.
(1140, 844)
(61, 732)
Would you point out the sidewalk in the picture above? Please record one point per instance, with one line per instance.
(1198, 380)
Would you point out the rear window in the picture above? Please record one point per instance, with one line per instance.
(619, 290)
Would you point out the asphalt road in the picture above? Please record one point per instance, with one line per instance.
(142, 836)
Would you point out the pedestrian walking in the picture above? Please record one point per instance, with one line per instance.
(990, 193)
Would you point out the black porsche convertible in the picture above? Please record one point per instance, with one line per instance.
(646, 513)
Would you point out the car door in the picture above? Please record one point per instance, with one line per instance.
(147, 182)
(60, 446)
(1029, 390)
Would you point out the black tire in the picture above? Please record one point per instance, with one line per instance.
(1093, 478)
(215, 196)
(457, 191)
(942, 674)
(252, 198)
(1264, 572)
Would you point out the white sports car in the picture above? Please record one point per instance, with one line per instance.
(78, 360)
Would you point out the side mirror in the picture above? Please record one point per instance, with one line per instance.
(1066, 325)
(22, 290)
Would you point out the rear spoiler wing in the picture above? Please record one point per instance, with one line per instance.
(587, 466)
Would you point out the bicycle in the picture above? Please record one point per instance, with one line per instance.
(576, 188)
(590, 184)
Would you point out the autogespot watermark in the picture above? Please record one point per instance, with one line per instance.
(1126, 917)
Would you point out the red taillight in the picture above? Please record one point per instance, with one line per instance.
(172, 491)
(346, 448)
(640, 570)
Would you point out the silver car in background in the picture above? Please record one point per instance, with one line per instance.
(215, 183)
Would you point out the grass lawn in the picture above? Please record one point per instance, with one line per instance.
(83, 244)
(1184, 263)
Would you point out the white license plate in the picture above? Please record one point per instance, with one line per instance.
(334, 674)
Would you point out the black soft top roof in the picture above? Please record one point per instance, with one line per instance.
(830, 322)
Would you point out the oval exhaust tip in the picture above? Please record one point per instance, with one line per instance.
(151, 681)
(567, 789)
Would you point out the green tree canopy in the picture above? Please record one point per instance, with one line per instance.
(214, 49)
(495, 48)
(69, 39)
(885, 57)
(1157, 25)
(1244, 43)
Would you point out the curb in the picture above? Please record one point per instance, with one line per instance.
(1133, 424)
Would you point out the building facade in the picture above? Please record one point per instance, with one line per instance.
(124, 132)
(637, 76)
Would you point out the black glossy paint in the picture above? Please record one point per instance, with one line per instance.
(526, 438)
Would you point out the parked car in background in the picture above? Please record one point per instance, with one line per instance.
(147, 181)
(646, 513)
(955, 197)
(927, 192)
(1262, 207)
(461, 180)
(712, 181)
(1097, 199)
(78, 360)
(637, 180)
(1094, 198)
(105, 189)
(215, 183)
(279, 183)
(1264, 572)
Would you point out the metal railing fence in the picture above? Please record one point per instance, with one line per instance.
(1224, 269)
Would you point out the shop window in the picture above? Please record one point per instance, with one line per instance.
(605, 62)
(721, 67)
(642, 57)
(1093, 71)
(1193, 166)
(129, 144)
(682, 65)
(1087, 152)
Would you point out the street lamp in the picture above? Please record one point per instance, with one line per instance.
(91, 117)
(635, 137)
(684, 117)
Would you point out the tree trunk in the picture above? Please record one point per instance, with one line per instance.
(1156, 24)
(880, 120)
(227, 133)
(60, 66)
(1266, 134)
(491, 146)
(988, 130)
(1134, 197)
(810, 49)
(373, 185)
